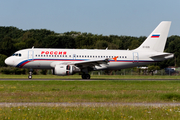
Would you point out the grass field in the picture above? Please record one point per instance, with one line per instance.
(90, 91)
(90, 113)
(118, 91)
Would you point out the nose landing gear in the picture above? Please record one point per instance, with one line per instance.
(30, 74)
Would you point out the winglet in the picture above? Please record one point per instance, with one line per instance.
(115, 58)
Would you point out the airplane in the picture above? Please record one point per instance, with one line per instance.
(71, 61)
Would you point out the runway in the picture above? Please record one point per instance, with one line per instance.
(48, 79)
(88, 104)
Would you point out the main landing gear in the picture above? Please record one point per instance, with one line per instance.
(30, 74)
(86, 76)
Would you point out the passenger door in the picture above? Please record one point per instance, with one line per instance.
(30, 55)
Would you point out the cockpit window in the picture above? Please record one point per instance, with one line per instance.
(17, 54)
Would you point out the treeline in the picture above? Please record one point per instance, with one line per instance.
(13, 39)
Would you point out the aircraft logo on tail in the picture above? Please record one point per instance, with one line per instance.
(155, 36)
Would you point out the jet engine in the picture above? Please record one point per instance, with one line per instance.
(65, 70)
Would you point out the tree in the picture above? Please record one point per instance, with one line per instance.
(2, 58)
(134, 44)
(153, 68)
(101, 44)
(7, 46)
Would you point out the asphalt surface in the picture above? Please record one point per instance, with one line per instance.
(40, 79)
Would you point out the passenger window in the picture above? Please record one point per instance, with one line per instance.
(57, 55)
(19, 55)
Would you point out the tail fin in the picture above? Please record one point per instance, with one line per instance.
(157, 39)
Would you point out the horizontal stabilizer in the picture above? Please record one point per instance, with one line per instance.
(162, 55)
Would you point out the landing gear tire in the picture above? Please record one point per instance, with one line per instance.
(86, 76)
(30, 74)
(30, 77)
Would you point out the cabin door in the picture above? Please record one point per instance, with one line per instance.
(30, 55)
(135, 57)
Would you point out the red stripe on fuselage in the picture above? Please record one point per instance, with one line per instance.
(24, 64)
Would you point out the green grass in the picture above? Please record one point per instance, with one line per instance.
(119, 91)
(90, 113)
(90, 91)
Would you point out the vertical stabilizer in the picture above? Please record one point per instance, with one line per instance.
(157, 39)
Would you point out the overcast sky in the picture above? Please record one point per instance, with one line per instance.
(107, 17)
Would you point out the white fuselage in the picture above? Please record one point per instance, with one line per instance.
(38, 58)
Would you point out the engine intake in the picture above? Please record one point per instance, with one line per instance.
(64, 70)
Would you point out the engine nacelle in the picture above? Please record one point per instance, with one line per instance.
(64, 70)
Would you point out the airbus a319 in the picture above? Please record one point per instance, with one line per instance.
(71, 61)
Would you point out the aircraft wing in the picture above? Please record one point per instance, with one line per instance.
(81, 64)
(90, 63)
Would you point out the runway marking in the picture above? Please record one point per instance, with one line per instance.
(87, 104)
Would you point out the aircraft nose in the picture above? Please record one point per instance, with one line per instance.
(9, 61)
